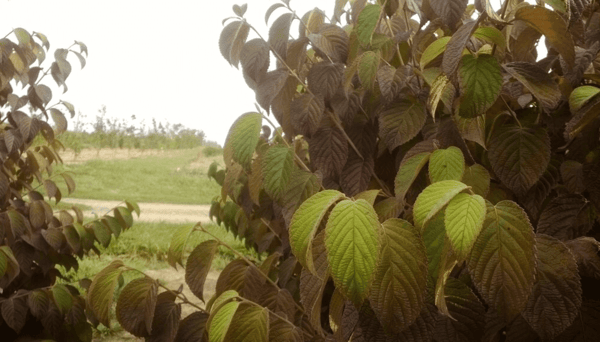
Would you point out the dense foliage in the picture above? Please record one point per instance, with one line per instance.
(430, 179)
(34, 239)
(107, 132)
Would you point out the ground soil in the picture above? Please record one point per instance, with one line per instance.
(150, 212)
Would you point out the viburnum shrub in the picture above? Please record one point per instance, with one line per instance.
(429, 178)
(34, 238)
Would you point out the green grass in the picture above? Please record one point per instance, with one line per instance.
(179, 177)
(67, 206)
(145, 245)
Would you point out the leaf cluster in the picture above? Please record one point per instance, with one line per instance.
(429, 177)
(35, 239)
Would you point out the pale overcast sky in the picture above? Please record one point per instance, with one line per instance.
(150, 58)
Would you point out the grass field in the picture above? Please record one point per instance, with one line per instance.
(178, 176)
(145, 245)
(175, 176)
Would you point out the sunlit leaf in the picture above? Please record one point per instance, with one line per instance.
(367, 68)
(305, 222)
(408, 172)
(277, 167)
(433, 199)
(582, 95)
(352, 241)
(463, 220)
(242, 139)
(250, 324)
(446, 164)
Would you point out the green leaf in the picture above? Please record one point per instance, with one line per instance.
(177, 245)
(251, 324)
(433, 50)
(551, 25)
(519, 156)
(490, 34)
(434, 237)
(101, 291)
(537, 81)
(101, 233)
(555, 300)
(367, 21)
(123, 215)
(408, 172)
(62, 298)
(133, 207)
(582, 95)
(242, 139)
(397, 294)
(198, 264)
(463, 220)
(305, 222)
(433, 199)
(478, 178)
(136, 304)
(446, 164)
(502, 261)
(352, 242)
(277, 167)
(402, 121)
(368, 195)
(480, 84)
(367, 68)
(220, 320)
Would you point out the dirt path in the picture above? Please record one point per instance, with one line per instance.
(150, 212)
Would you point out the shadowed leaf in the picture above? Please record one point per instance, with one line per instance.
(556, 296)
(198, 264)
(135, 306)
(502, 262)
(397, 294)
(537, 81)
(519, 156)
(401, 122)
